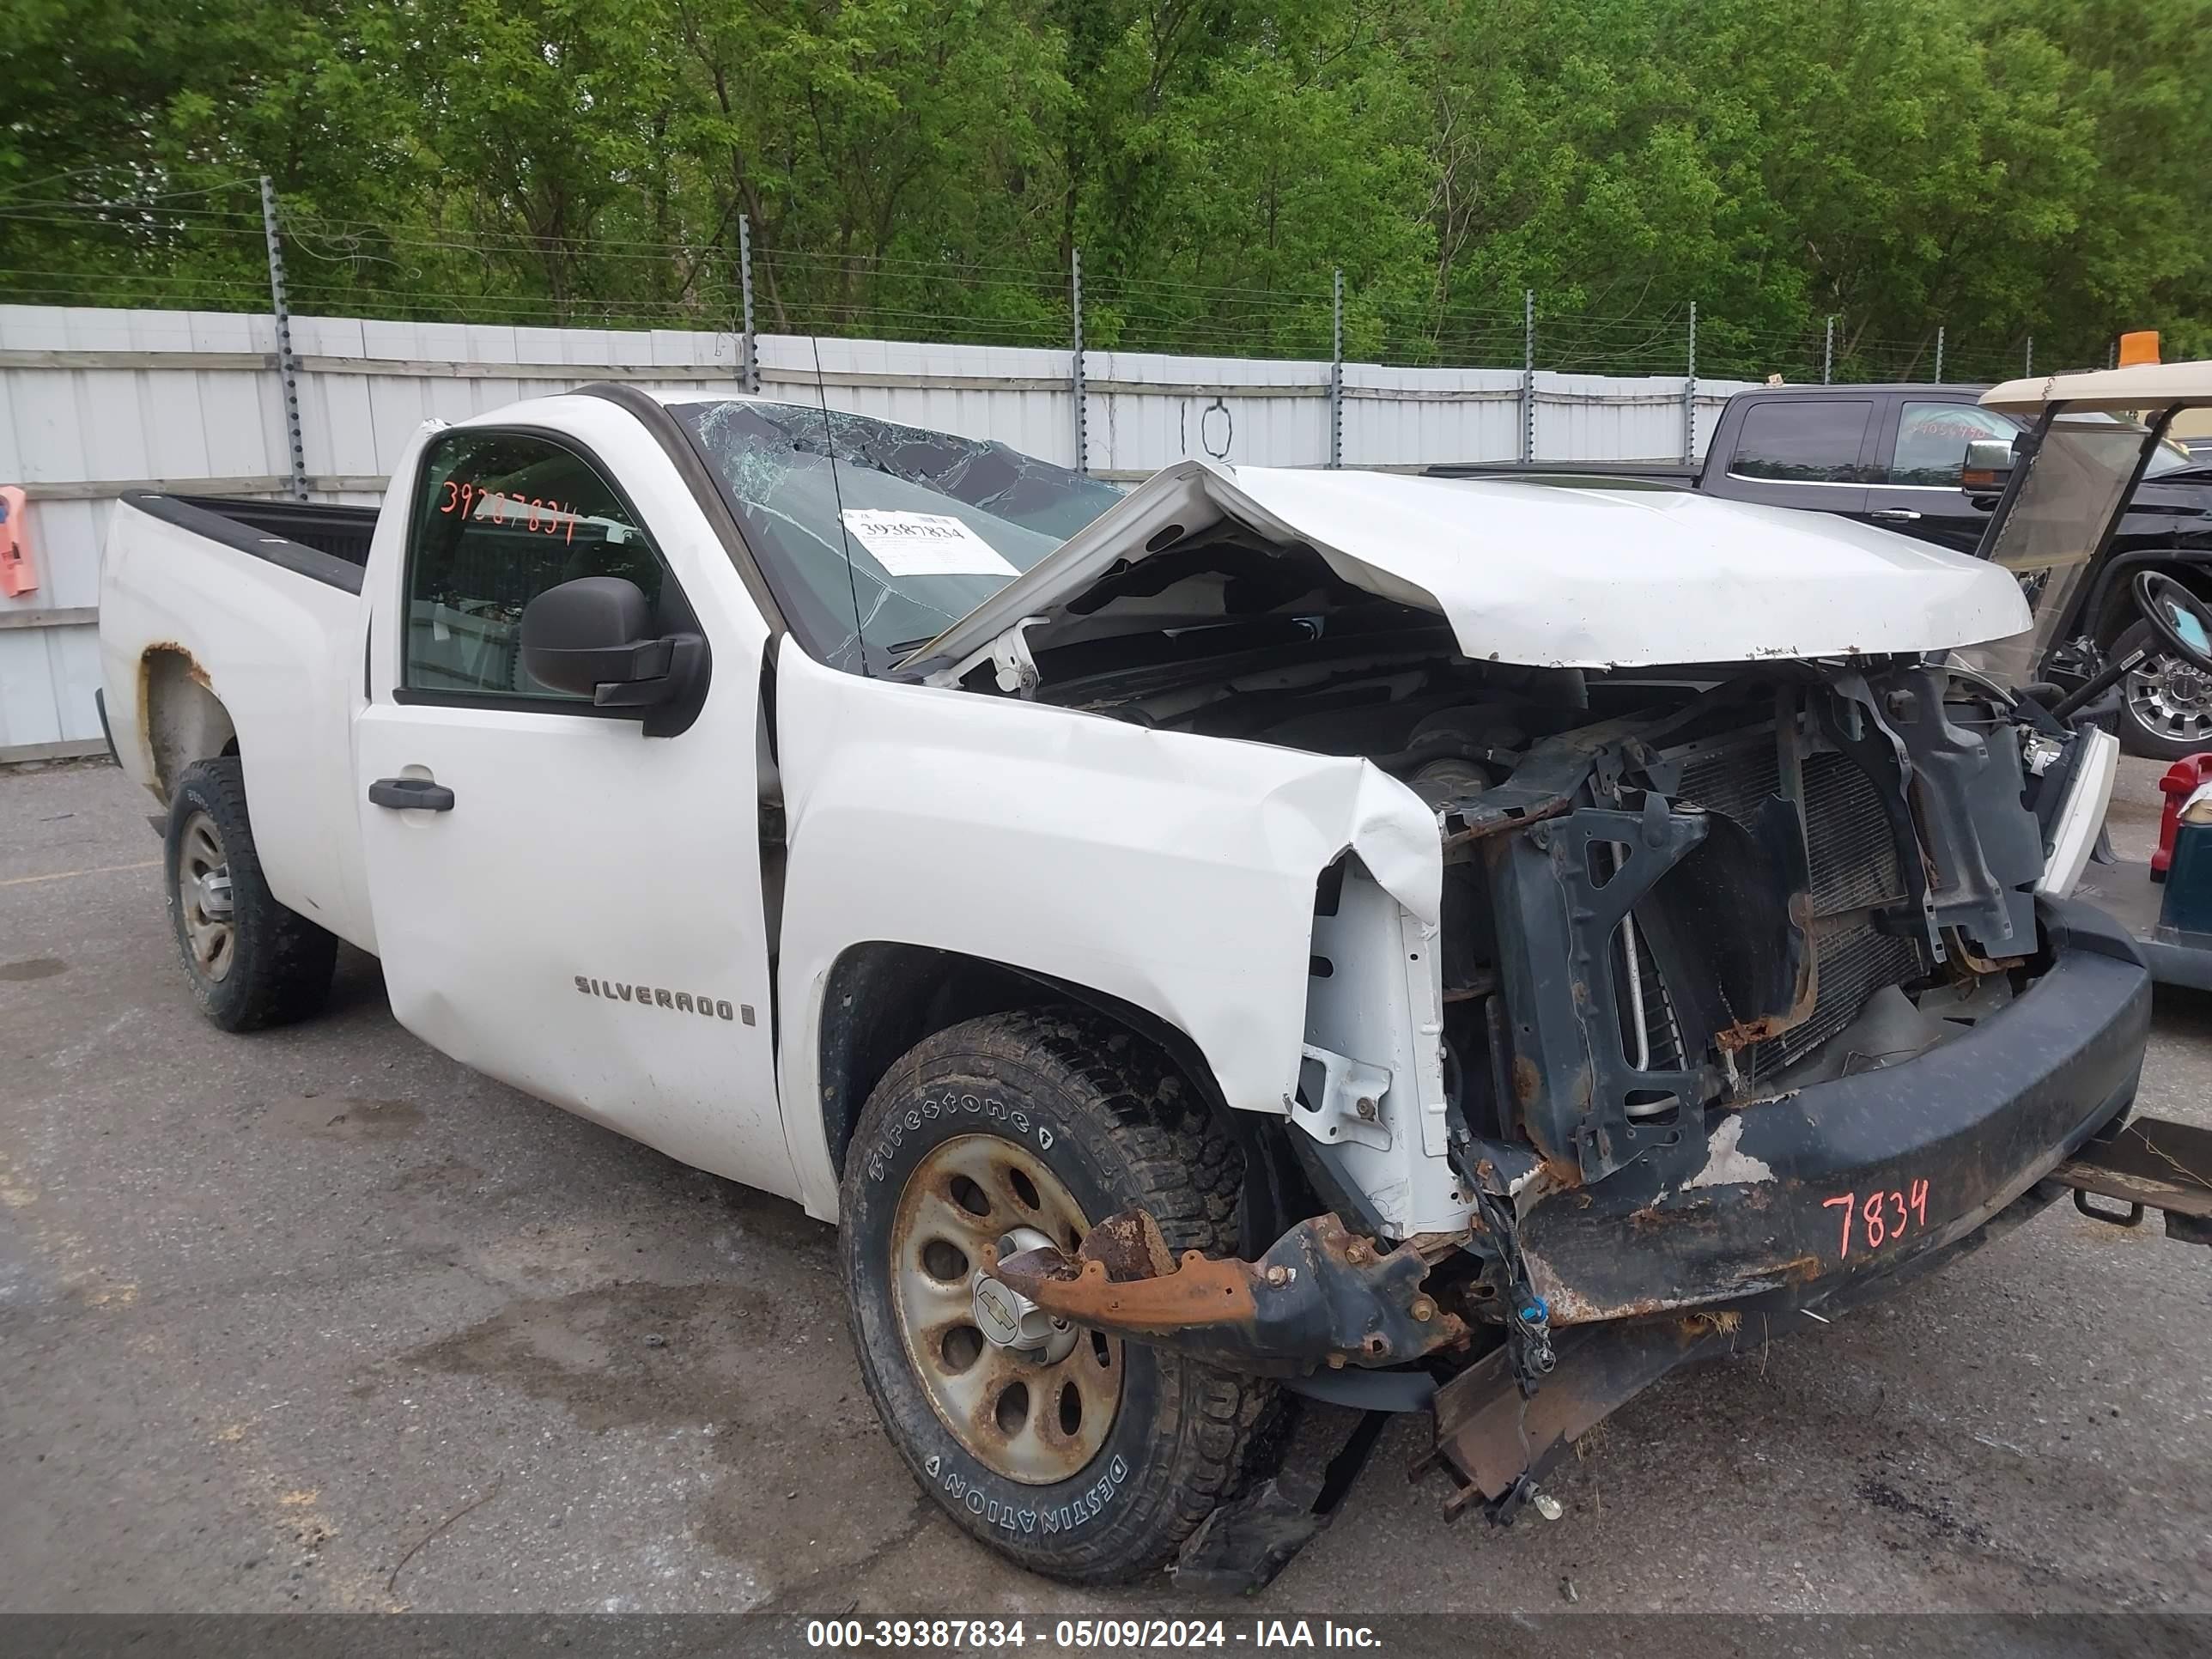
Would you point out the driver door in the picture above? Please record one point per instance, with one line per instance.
(560, 901)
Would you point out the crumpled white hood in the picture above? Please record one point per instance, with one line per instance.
(1551, 574)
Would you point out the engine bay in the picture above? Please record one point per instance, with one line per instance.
(1666, 892)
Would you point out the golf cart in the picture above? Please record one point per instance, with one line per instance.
(2066, 485)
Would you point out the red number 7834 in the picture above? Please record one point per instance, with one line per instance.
(1883, 1217)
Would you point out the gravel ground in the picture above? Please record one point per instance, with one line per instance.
(317, 1319)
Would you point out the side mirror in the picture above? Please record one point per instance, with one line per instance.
(1989, 464)
(592, 637)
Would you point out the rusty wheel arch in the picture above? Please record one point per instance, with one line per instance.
(182, 719)
(882, 998)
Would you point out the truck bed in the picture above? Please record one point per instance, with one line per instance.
(321, 540)
(238, 626)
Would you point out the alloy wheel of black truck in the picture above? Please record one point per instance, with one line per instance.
(1078, 1454)
(2165, 703)
(251, 962)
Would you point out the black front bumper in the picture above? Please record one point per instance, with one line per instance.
(1846, 1181)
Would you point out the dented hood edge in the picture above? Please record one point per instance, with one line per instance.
(1548, 574)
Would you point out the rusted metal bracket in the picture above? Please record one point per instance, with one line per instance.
(1321, 1295)
(2149, 1164)
(1573, 1083)
(1551, 777)
(1347, 1105)
(1493, 1441)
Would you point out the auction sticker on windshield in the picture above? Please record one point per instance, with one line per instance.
(924, 545)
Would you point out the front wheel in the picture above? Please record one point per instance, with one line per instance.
(1076, 1454)
(2166, 702)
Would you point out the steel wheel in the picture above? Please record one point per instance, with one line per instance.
(1031, 1399)
(204, 897)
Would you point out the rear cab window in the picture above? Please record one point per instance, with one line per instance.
(1804, 440)
(501, 517)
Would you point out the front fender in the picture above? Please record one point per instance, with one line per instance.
(1174, 872)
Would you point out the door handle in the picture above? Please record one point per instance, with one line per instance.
(410, 795)
(1893, 515)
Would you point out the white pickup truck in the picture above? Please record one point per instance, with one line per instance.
(1405, 941)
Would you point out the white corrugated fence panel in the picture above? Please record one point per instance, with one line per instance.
(366, 383)
(78, 426)
(1395, 417)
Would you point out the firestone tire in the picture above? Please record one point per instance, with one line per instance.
(275, 966)
(1104, 1117)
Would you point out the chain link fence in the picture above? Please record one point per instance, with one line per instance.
(207, 249)
(224, 343)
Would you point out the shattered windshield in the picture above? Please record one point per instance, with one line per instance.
(907, 533)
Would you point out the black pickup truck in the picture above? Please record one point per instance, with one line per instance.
(1891, 455)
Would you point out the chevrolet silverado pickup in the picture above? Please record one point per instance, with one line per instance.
(1891, 455)
(1459, 945)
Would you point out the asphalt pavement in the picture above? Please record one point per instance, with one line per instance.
(317, 1319)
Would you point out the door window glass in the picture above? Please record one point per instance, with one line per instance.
(1932, 440)
(502, 517)
(1803, 440)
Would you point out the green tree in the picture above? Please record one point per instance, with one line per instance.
(1993, 168)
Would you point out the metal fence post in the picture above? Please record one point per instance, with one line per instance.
(1082, 415)
(1828, 351)
(1528, 374)
(287, 366)
(1690, 393)
(1939, 354)
(1336, 371)
(751, 367)
(2028, 358)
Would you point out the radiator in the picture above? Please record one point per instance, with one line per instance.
(1855, 869)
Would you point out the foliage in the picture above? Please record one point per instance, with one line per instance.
(924, 168)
